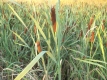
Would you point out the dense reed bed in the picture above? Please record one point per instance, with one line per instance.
(61, 42)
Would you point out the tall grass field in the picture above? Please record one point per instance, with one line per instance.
(53, 42)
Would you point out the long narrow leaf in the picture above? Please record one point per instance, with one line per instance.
(101, 45)
(40, 30)
(30, 65)
(90, 62)
(21, 39)
(17, 16)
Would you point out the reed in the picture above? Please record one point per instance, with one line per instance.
(39, 42)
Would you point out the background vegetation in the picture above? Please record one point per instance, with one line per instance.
(63, 42)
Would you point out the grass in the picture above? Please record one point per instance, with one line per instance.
(63, 42)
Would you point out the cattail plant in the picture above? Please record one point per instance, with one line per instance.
(80, 34)
(53, 18)
(25, 30)
(90, 22)
(103, 25)
(13, 36)
(35, 30)
(38, 46)
(89, 26)
(92, 37)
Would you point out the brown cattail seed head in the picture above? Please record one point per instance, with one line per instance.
(92, 37)
(38, 46)
(35, 30)
(53, 18)
(14, 36)
(90, 22)
(25, 30)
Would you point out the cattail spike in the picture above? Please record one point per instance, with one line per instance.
(38, 46)
(103, 25)
(35, 30)
(14, 36)
(80, 34)
(92, 37)
(53, 18)
(25, 30)
(90, 22)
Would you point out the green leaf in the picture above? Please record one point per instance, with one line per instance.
(90, 62)
(21, 39)
(17, 16)
(30, 65)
